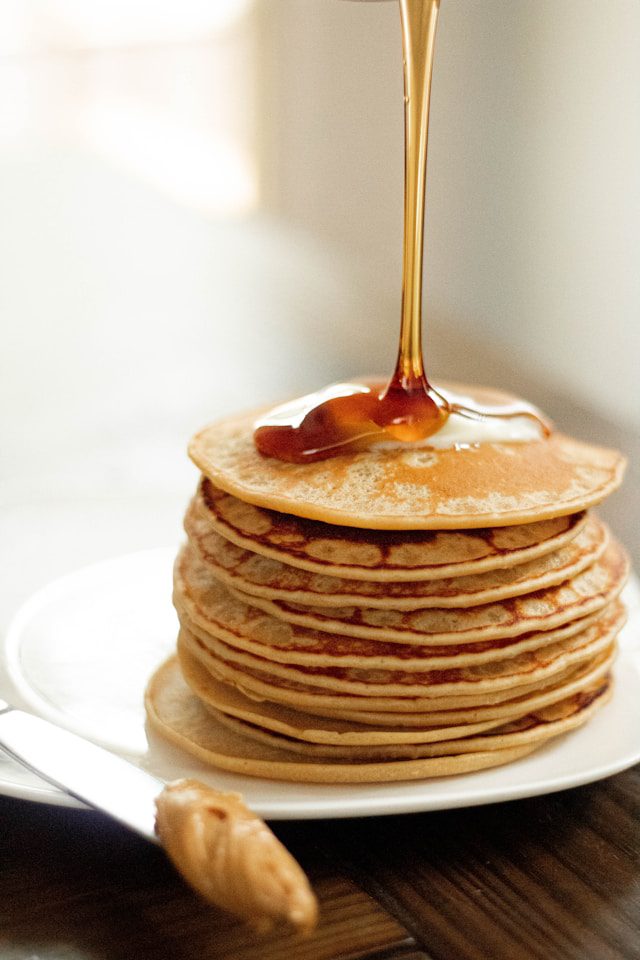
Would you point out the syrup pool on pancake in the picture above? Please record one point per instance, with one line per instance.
(347, 417)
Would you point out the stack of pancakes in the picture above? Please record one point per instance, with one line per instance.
(390, 614)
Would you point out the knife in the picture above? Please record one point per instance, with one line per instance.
(82, 769)
(220, 847)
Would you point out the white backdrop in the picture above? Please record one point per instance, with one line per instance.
(533, 228)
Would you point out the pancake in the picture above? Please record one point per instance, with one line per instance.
(358, 754)
(464, 712)
(205, 605)
(259, 683)
(535, 727)
(388, 710)
(386, 555)
(207, 609)
(368, 680)
(353, 731)
(206, 601)
(261, 577)
(178, 716)
(492, 484)
(301, 696)
(582, 595)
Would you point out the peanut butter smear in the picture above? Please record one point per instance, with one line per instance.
(229, 855)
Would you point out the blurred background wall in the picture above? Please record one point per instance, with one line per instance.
(533, 226)
(200, 209)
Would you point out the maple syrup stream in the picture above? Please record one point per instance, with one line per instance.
(344, 418)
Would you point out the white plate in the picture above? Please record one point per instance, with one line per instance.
(80, 651)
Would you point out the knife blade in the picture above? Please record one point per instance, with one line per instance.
(82, 769)
(278, 892)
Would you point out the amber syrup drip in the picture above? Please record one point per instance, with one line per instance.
(406, 409)
(408, 404)
(348, 417)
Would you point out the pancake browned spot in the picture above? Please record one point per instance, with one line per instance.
(404, 708)
(353, 730)
(369, 680)
(269, 579)
(579, 597)
(383, 555)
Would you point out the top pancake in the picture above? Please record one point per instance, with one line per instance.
(493, 484)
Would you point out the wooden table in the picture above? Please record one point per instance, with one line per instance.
(553, 877)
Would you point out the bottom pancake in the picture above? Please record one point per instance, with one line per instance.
(535, 728)
(177, 715)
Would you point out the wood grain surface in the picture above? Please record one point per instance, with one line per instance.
(554, 878)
